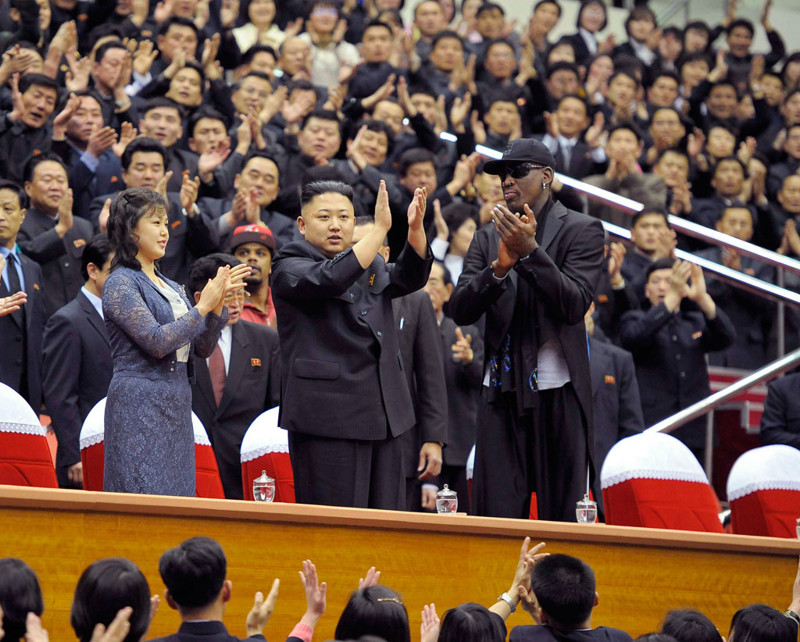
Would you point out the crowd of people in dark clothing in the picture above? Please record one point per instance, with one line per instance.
(113, 603)
(226, 108)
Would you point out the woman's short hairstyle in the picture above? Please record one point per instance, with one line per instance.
(20, 594)
(127, 208)
(762, 623)
(472, 622)
(687, 625)
(586, 3)
(457, 213)
(103, 589)
(375, 610)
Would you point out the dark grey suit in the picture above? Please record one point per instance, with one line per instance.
(780, 422)
(76, 371)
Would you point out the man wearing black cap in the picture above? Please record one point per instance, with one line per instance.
(533, 274)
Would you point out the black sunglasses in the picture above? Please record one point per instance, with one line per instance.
(518, 171)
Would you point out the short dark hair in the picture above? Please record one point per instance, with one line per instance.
(376, 23)
(726, 159)
(194, 571)
(260, 153)
(661, 264)
(447, 276)
(312, 4)
(162, 101)
(444, 35)
(497, 41)
(35, 161)
(740, 22)
(697, 25)
(655, 637)
(580, 99)
(694, 56)
(206, 112)
(623, 71)
(470, 622)
(412, 157)
(672, 150)
(322, 173)
(762, 623)
(666, 73)
(11, 186)
(586, 3)
(650, 211)
(26, 81)
(105, 587)
(562, 65)
(253, 74)
(543, 2)
(146, 145)
(421, 89)
(96, 251)
(249, 55)
(127, 208)
(375, 610)
(164, 27)
(20, 594)
(191, 64)
(628, 125)
(489, 6)
(378, 126)
(457, 213)
(639, 13)
(322, 114)
(565, 588)
(202, 270)
(103, 49)
(310, 190)
(687, 625)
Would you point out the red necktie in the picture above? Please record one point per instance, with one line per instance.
(216, 368)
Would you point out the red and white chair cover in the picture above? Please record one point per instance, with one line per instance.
(764, 492)
(207, 479)
(266, 447)
(654, 480)
(24, 453)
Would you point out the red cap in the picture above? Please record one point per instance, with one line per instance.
(252, 234)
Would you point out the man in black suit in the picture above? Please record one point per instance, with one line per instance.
(533, 274)
(345, 399)
(77, 365)
(780, 421)
(575, 157)
(21, 330)
(50, 234)
(239, 381)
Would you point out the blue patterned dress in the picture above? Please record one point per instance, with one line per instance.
(149, 441)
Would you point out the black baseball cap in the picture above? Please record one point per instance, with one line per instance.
(522, 150)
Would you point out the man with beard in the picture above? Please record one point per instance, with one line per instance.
(255, 245)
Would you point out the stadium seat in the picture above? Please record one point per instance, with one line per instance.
(266, 447)
(207, 480)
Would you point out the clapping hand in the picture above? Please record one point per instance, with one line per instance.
(10, 304)
(262, 609)
(315, 593)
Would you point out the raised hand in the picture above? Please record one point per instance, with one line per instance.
(517, 232)
(372, 579)
(429, 629)
(178, 63)
(126, 134)
(382, 93)
(416, 211)
(34, 632)
(765, 16)
(18, 107)
(229, 13)
(616, 255)
(594, 135)
(262, 609)
(65, 220)
(442, 231)
(212, 158)
(101, 140)
(61, 120)
(79, 72)
(551, 123)
(462, 348)
(189, 191)
(459, 111)
(143, 57)
(104, 214)
(161, 186)
(163, 11)
(117, 631)
(478, 128)
(315, 592)
(355, 155)
(383, 213)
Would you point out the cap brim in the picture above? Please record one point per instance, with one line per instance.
(494, 166)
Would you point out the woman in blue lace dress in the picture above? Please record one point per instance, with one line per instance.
(154, 332)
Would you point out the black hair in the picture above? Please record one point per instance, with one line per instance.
(672, 150)
(792, 57)
(673, 30)
(489, 6)
(322, 114)
(309, 190)
(561, 65)
(444, 35)
(146, 145)
(421, 89)
(565, 588)
(422, 2)
(737, 204)
(127, 209)
(655, 637)
(260, 153)
(103, 49)
(628, 125)
(666, 73)
(725, 82)
(666, 263)
(161, 101)
(577, 97)
(194, 572)
(250, 54)
(725, 159)
(488, 44)
(297, 85)
(20, 594)
(254, 74)
(163, 28)
(740, 22)
(312, 4)
(687, 625)
(586, 3)
(694, 56)
(457, 213)
(762, 623)
(11, 186)
(649, 211)
(26, 81)
(379, 126)
(621, 70)
(191, 64)
(639, 13)
(470, 622)
(206, 112)
(319, 173)
(447, 277)
(697, 25)
(411, 157)
(376, 23)
(543, 2)
(375, 610)
(105, 587)
(96, 251)
(35, 161)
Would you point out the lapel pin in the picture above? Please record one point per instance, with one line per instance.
(255, 363)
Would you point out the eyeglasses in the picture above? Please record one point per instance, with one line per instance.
(241, 295)
(518, 171)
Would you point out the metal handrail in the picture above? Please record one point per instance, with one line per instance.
(703, 406)
(724, 273)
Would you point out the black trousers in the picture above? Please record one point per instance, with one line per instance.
(347, 472)
(544, 452)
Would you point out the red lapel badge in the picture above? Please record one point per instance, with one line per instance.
(36, 286)
(610, 379)
(79, 242)
(696, 335)
(255, 363)
(175, 224)
(372, 280)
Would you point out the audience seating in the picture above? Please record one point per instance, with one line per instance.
(266, 447)
(208, 482)
(653, 480)
(764, 492)
(24, 452)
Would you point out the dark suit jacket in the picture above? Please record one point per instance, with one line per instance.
(423, 365)
(538, 633)
(342, 372)
(251, 387)
(283, 228)
(206, 631)
(87, 184)
(561, 273)
(12, 336)
(76, 371)
(780, 421)
(60, 258)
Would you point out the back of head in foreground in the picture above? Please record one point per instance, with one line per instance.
(471, 622)
(194, 574)
(686, 625)
(565, 589)
(375, 610)
(20, 594)
(762, 623)
(105, 587)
